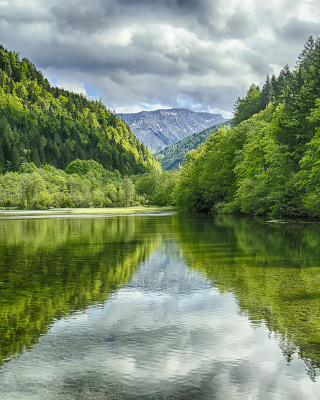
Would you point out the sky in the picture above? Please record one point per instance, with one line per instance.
(144, 55)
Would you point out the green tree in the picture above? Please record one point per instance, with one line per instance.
(247, 106)
(128, 191)
(44, 124)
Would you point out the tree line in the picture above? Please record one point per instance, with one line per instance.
(84, 183)
(268, 161)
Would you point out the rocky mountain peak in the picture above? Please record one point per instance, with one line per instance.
(157, 129)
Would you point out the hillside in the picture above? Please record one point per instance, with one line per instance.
(48, 125)
(268, 163)
(157, 129)
(173, 155)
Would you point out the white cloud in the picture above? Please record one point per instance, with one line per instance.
(137, 53)
(141, 107)
(72, 85)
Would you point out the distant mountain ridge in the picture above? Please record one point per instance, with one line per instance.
(157, 129)
(173, 155)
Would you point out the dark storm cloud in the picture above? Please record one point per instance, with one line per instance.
(89, 17)
(134, 61)
(257, 62)
(201, 54)
(79, 15)
(296, 30)
(239, 25)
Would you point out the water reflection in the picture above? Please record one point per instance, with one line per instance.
(172, 307)
(273, 270)
(52, 267)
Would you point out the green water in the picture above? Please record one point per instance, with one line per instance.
(172, 306)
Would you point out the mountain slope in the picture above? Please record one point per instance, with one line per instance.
(157, 129)
(173, 155)
(268, 163)
(48, 125)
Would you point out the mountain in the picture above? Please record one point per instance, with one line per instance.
(173, 155)
(48, 125)
(157, 129)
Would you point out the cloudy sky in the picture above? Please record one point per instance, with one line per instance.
(143, 54)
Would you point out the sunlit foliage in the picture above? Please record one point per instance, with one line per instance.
(268, 162)
(48, 125)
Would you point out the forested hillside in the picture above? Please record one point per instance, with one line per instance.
(269, 162)
(47, 125)
(173, 155)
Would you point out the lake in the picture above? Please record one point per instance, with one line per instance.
(162, 306)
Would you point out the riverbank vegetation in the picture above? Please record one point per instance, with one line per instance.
(82, 184)
(268, 163)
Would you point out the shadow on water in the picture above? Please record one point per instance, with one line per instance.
(95, 385)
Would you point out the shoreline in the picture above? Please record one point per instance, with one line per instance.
(72, 212)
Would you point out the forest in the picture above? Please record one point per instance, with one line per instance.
(172, 156)
(84, 183)
(48, 125)
(268, 163)
(58, 149)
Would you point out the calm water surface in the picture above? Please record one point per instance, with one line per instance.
(174, 306)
